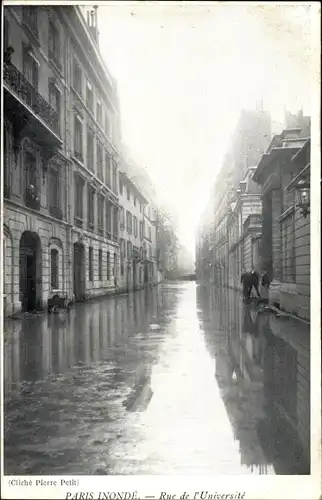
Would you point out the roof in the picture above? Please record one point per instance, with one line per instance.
(267, 159)
(129, 182)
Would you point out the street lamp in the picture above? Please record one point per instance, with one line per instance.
(303, 196)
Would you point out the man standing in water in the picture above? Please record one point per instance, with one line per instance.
(254, 282)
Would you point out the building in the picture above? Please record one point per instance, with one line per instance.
(249, 141)
(286, 227)
(131, 235)
(61, 136)
(244, 229)
(151, 274)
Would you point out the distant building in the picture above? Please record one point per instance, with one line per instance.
(131, 234)
(249, 141)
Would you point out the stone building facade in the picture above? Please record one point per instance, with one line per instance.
(286, 233)
(131, 235)
(61, 130)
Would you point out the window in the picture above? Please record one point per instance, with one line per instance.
(288, 249)
(121, 187)
(30, 72)
(78, 138)
(135, 226)
(54, 269)
(54, 101)
(90, 149)
(141, 230)
(78, 200)
(108, 170)
(129, 222)
(135, 201)
(108, 265)
(90, 263)
(90, 207)
(150, 233)
(32, 188)
(108, 216)
(128, 194)
(115, 222)
(54, 192)
(77, 77)
(30, 17)
(89, 97)
(100, 214)
(129, 250)
(99, 112)
(53, 43)
(114, 179)
(150, 252)
(99, 153)
(100, 264)
(122, 218)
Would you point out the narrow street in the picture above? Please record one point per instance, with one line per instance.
(173, 380)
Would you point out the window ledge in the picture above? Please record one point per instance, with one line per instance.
(287, 213)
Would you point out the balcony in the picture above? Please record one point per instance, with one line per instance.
(32, 199)
(253, 223)
(56, 212)
(25, 106)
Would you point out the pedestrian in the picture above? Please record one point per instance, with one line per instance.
(265, 283)
(245, 281)
(254, 282)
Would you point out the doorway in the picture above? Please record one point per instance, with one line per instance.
(30, 271)
(79, 271)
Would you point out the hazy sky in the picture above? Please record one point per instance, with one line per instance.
(185, 70)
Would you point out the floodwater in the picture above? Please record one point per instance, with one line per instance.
(172, 380)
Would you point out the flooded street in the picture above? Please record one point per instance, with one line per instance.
(172, 380)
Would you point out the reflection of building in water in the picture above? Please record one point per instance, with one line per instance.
(262, 370)
(287, 376)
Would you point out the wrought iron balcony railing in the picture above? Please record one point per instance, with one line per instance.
(20, 85)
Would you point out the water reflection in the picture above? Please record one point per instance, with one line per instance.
(175, 380)
(263, 371)
(41, 346)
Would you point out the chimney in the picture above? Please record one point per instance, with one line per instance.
(92, 23)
